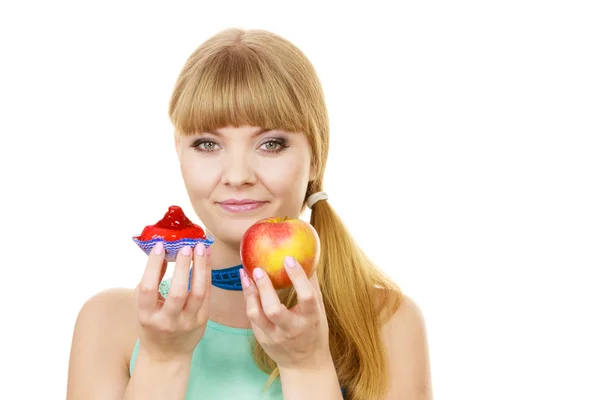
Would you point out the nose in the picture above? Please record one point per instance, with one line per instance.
(238, 170)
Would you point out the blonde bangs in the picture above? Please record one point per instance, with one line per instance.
(236, 87)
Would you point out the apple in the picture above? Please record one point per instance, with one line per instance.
(267, 242)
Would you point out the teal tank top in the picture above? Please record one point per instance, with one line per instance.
(222, 365)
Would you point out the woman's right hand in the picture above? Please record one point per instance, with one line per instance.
(170, 329)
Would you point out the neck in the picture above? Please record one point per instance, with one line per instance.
(227, 307)
(223, 255)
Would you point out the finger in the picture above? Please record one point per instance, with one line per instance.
(208, 272)
(178, 289)
(198, 288)
(271, 305)
(163, 270)
(147, 289)
(254, 309)
(308, 298)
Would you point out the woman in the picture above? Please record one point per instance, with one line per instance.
(252, 137)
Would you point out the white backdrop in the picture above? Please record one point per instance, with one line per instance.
(465, 159)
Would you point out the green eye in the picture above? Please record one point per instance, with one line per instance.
(205, 145)
(271, 145)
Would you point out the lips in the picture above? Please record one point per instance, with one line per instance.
(235, 202)
(243, 205)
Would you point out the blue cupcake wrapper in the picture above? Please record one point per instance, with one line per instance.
(171, 247)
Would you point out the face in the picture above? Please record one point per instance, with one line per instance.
(236, 176)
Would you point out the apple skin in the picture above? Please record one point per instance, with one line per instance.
(266, 244)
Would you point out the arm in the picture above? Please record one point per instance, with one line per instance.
(319, 383)
(405, 340)
(155, 379)
(104, 336)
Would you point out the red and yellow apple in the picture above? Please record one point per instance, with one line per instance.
(267, 242)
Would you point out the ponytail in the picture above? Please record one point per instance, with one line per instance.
(358, 300)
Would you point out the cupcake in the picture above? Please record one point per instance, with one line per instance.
(175, 230)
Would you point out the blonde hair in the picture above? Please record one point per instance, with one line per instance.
(257, 78)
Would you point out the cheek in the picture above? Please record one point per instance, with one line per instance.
(198, 178)
(283, 176)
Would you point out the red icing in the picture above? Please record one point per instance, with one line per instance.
(174, 226)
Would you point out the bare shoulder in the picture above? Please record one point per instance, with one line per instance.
(405, 339)
(408, 315)
(103, 339)
(112, 309)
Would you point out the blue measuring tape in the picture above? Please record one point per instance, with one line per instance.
(228, 278)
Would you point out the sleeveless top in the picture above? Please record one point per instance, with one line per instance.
(222, 365)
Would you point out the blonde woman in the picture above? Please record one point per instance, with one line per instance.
(252, 137)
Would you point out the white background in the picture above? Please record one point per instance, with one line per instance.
(465, 159)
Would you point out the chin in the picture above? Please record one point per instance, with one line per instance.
(230, 231)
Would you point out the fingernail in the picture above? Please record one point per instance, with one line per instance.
(258, 273)
(289, 262)
(158, 248)
(200, 249)
(244, 278)
(186, 250)
(208, 251)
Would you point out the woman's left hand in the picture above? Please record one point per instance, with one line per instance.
(297, 338)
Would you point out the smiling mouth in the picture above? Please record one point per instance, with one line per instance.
(241, 206)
